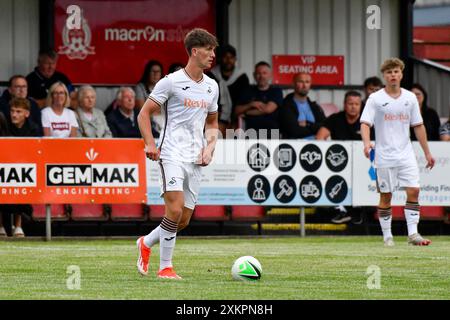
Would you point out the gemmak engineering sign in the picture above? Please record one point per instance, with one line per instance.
(72, 171)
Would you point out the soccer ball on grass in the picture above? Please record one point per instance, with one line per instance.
(246, 268)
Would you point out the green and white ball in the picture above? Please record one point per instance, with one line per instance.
(246, 268)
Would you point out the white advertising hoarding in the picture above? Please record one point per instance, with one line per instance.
(434, 184)
(272, 172)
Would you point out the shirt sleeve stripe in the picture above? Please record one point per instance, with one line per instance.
(156, 101)
(416, 124)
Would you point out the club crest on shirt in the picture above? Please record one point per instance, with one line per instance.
(209, 90)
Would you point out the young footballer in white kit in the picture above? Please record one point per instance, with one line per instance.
(392, 111)
(188, 100)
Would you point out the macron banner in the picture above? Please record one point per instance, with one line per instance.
(109, 42)
(324, 70)
(271, 172)
(72, 171)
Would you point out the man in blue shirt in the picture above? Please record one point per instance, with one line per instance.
(300, 118)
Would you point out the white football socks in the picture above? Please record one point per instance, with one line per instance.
(152, 238)
(385, 218)
(412, 215)
(167, 239)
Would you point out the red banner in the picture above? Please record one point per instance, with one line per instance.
(324, 70)
(111, 41)
(72, 171)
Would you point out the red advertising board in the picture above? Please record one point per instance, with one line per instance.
(324, 70)
(115, 39)
(72, 171)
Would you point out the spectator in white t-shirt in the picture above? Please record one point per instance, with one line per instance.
(57, 120)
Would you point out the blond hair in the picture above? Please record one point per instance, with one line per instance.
(392, 63)
(49, 100)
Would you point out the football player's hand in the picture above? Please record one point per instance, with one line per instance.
(152, 152)
(205, 157)
(367, 149)
(430, 161)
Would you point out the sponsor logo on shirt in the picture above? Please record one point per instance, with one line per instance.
(190, 103)
(62, 126)
(396, 117)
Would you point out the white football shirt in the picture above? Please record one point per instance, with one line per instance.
(392, 118)
(60, 125)
(185, 103)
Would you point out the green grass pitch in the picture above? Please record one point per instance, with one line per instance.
(293, 269)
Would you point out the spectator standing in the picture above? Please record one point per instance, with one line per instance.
(91, 121)
(57, 120)
(259, 103)
(371, 85)
(44, 76)
(18, 88)
(300, 118)
(232, 83)
(444, 131)
(430, 117)
(123, 120)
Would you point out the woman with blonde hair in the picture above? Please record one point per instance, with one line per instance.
(57, 120)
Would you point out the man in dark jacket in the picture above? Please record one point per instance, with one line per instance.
(123, 120)
(19, 126)
(18, 88)
(300, 117)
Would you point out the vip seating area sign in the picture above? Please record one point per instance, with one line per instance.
(272, 172)
(324, 70)
(109, 42)
(72, 171)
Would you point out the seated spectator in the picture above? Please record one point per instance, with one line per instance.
(430, 117)
(4, 130)
(444, 131)
(232, 83)
(175, 67)
(344, 125)
(19, 123)
(300, 118)
(18, 88)
(44, 76)
(371, 85)
(259, 103)
(19, 126)
(123, 120)
(57, 119)
(153, 72)
(91, 121)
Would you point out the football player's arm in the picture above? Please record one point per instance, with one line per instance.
(365, 135)
(211, 135)
(421, 136)
(145, 127)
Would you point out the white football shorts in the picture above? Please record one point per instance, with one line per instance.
(397, 178)
(180, 176)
